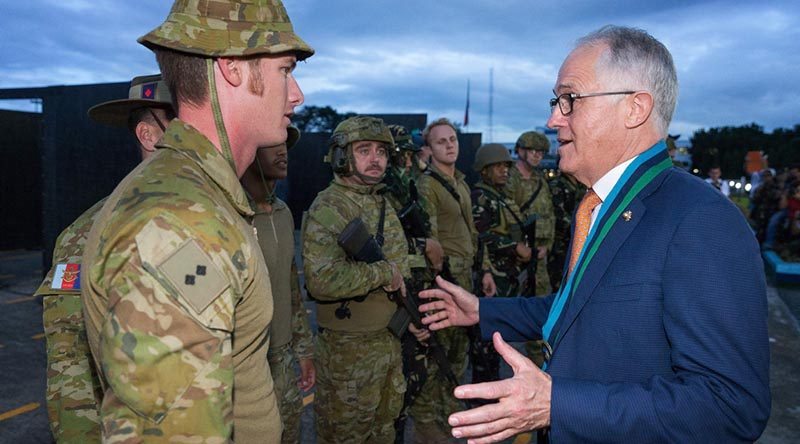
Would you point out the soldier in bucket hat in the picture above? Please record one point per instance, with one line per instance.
(73, 388)
(177, 295)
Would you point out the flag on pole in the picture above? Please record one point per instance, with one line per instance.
(466, 111)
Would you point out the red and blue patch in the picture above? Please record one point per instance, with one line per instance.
(67, 277)
(149, 91)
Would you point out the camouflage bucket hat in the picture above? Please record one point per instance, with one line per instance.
(490, 154)
(402, 138)
(228, 28)
(145, 92)
(360, 128)
(533, 140)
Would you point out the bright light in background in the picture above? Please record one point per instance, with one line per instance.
(731, 183)
(738, 186)
(748, 187)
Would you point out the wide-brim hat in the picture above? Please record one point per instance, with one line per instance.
(145, 92)
(228, 28)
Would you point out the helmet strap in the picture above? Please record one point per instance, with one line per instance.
(215, 109)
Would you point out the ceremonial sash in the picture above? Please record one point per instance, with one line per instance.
(646, 167)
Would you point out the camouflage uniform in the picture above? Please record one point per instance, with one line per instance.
(566, 192)
(73, 388)
(290, 334)
(520, 190)
(498, 218)
(173, 273)
(360, 381)
(399, 182)
(452, 225)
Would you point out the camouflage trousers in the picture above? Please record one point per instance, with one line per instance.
(436, 402)
(360, 386)
(290, 400)
(73, 388)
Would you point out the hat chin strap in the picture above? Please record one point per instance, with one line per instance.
(221, 132)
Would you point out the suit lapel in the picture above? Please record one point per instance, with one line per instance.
(595, 270)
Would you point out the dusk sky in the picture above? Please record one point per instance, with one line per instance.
(738, 61)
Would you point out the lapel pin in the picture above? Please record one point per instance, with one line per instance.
(627, 216)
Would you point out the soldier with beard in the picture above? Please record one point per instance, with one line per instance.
(360, 381)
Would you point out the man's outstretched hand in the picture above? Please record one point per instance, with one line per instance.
(523, 401)
(451, 306)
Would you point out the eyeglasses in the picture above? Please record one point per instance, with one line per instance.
(566, 100)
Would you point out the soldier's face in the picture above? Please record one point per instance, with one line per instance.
(591, 139)
(444, 144)
(533, 157)
(497, 174)
(274, 161)
(370, 159)
(274, 93)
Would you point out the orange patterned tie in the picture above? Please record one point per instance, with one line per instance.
(583, 220)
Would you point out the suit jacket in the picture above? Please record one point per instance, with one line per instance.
(665, 337)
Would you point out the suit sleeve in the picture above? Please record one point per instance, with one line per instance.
(517, 319)
(715, 318)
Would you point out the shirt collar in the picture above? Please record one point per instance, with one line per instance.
(606, 183)
(187, 140)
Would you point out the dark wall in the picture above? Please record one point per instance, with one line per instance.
(20, 180)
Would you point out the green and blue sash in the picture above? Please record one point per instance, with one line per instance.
(646, 167)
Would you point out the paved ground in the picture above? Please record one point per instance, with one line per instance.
(22, 406)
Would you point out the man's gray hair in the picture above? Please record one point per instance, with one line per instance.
(636, 60)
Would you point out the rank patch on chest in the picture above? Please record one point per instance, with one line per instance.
(67, 277)
(196, 278)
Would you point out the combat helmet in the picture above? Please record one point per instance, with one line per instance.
(355, 129)
(532, 140)
(489, 154)
(228, 28)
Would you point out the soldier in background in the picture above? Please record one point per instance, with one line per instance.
(360, 381)
(291, 339)
(425, 257)
(566, 192)
(501, 230)
(528, 187)
(173, 272)
(447, 201)
(73, 388)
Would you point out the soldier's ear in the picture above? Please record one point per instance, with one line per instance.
(231, 70)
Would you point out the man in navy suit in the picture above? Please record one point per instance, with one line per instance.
(659, 331)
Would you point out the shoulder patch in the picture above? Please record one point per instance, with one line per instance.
(194, 275)
(67, 277)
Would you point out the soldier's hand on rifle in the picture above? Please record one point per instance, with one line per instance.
(422, 334)
(434, 253)
(452, 306)
(524, 252)
(541, 252)
(397, 281)
(488, 285)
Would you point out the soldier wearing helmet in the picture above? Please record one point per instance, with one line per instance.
(73, 387)
(528, 187)
(359, 370)
(291, 340)
(173, 271)
(500, 227)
